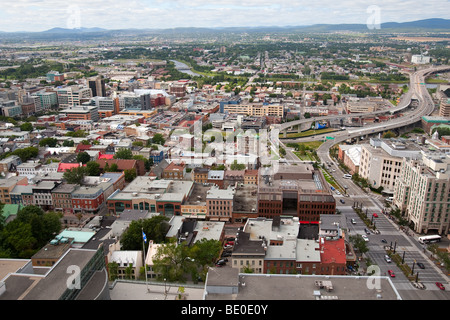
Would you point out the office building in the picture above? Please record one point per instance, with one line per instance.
(298, 191)
(97, 86)
(73, 96)
(82, 113)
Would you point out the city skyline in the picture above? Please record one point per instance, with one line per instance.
(157, 14)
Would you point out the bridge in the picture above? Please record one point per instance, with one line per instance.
(415, 79)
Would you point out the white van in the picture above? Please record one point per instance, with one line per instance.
(347, 176)
(390, 199)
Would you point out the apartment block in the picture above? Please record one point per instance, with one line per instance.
(381, 161)
(422, 192)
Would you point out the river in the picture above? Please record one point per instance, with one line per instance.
(182, 67)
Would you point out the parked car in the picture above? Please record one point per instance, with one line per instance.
(230, 243)
(366, 231)
(221, 262)
(387, 258)
(440, 285)
(421, 265)
(391, 273)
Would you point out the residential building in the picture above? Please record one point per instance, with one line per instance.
(10, 164)
(128, 263)
(248, 254)
(29, 168)
(251, 177)
(219, 203)
(175, 171)
(22, 195)
(42, 194)
(422, 192)
(420, 59)
(381, 161)
(444, 107)
(7, 185)
(123, 165)
(62, 197)
(216, 177)
(91, 199)
(200, 175)
(350, 155)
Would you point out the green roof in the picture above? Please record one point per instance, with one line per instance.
(10, 209)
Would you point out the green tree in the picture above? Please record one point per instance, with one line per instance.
(26, 126)
(172, 261)
(50, 142)
(205, 252)
(389, 134)
(75, 175)
(68, 143)
(359, 243)
(83, 157)
(92, 168)
(123, 153)
(18, 240)
(130, 174)
(111, 168)
(158, 139)
(237, 166)
(155, 229)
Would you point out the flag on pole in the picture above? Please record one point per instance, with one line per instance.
(144, 237)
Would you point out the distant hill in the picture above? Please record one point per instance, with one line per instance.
(427, 25)
(79, 30)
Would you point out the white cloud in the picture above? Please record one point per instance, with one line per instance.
(38, 15)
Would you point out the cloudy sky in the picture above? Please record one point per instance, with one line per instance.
(40, 15)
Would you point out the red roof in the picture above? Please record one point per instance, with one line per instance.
(333, 251)
(63, 167)
(82, 147)
(105, 156)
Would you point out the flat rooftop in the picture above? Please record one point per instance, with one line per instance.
(299, 287)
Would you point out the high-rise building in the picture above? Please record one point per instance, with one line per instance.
(422, 192)
(444, 108)
(47, 100)
(381, 161)
(73, 96)
(97, 86)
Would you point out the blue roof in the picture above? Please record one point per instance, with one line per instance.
(78, 236)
